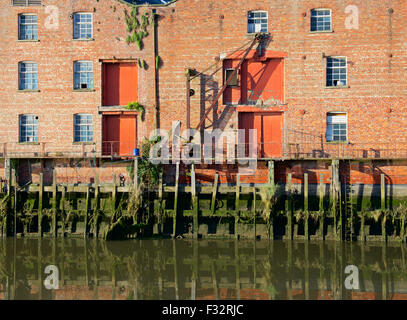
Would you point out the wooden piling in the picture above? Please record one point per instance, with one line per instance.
(174, 221)
(321, 205)
(237, 205)
(114, 191)
(306, 212)
(254, 212)
(40, 204)
(383, 192)
(15, 198)
(214, 193)
(362, 227)
(271, 172)
(194, 203)
(62, 208)
(54, 203)
(86, 212)
(161, 204)
(96, 207)
(288, 205)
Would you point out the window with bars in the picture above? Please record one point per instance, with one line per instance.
(27, 76)
(321, 20)
(27, 27)
(28, 128)
(257, 21)
(336, 72)
(336, 129)
(83, 128)
(83, 75)
(82, 25)
(24, 3)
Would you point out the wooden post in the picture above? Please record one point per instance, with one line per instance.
(85, 231)
(174, 221)
(114, 191)
(40, 195)
(306, 220)
(62, 207)
(321, 205)
(288, 205)
(15, 202)
(335, 190)
(271, 172)
(96, 208)
(362, 227)
(161, 204)
(402, 229)
(383, 192)
(214, 192)
(54, 203)
(237, 200)
(254, 212)
(194, 203)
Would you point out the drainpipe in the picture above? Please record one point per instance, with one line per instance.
(156, 102)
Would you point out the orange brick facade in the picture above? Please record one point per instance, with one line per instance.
(196, 34)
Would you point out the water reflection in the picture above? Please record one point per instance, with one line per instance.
(204, 269)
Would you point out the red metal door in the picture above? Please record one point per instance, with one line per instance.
(263, 81)
(268, 126)
(119, 84)
(119, 134)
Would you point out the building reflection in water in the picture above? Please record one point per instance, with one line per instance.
(200, 269)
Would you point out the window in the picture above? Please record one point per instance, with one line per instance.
(83, 75)
(82, 26)
(83, 128)
(336, 129)
(257, 21)
(28, 76)
(321, 20)
(22, 3)
(336, 72)
(27, 27)
(235, 80)
(28, 128)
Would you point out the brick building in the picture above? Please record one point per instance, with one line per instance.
(328, 81)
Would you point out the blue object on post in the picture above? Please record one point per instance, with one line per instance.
(136, 152)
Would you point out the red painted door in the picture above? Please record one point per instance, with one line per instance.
(119, 134)
(262, 81)
(268, 127)
(119, 84)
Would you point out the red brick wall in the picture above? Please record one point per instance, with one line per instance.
(194, 33)
(55, 52)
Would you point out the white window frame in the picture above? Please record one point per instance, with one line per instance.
(330, 16)
(256, 25)
(33, 125)
(79, 125)
(336, 118)
(20, 24)
(85, 74)
(332, 84)
(78, 35)
(21, 73)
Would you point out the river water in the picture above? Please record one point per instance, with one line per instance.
(69, 269)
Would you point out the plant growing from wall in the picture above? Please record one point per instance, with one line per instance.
(136, 28)
(138, 107)
(148, 172)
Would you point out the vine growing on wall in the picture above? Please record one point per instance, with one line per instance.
(138, 107)
(137, 26)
